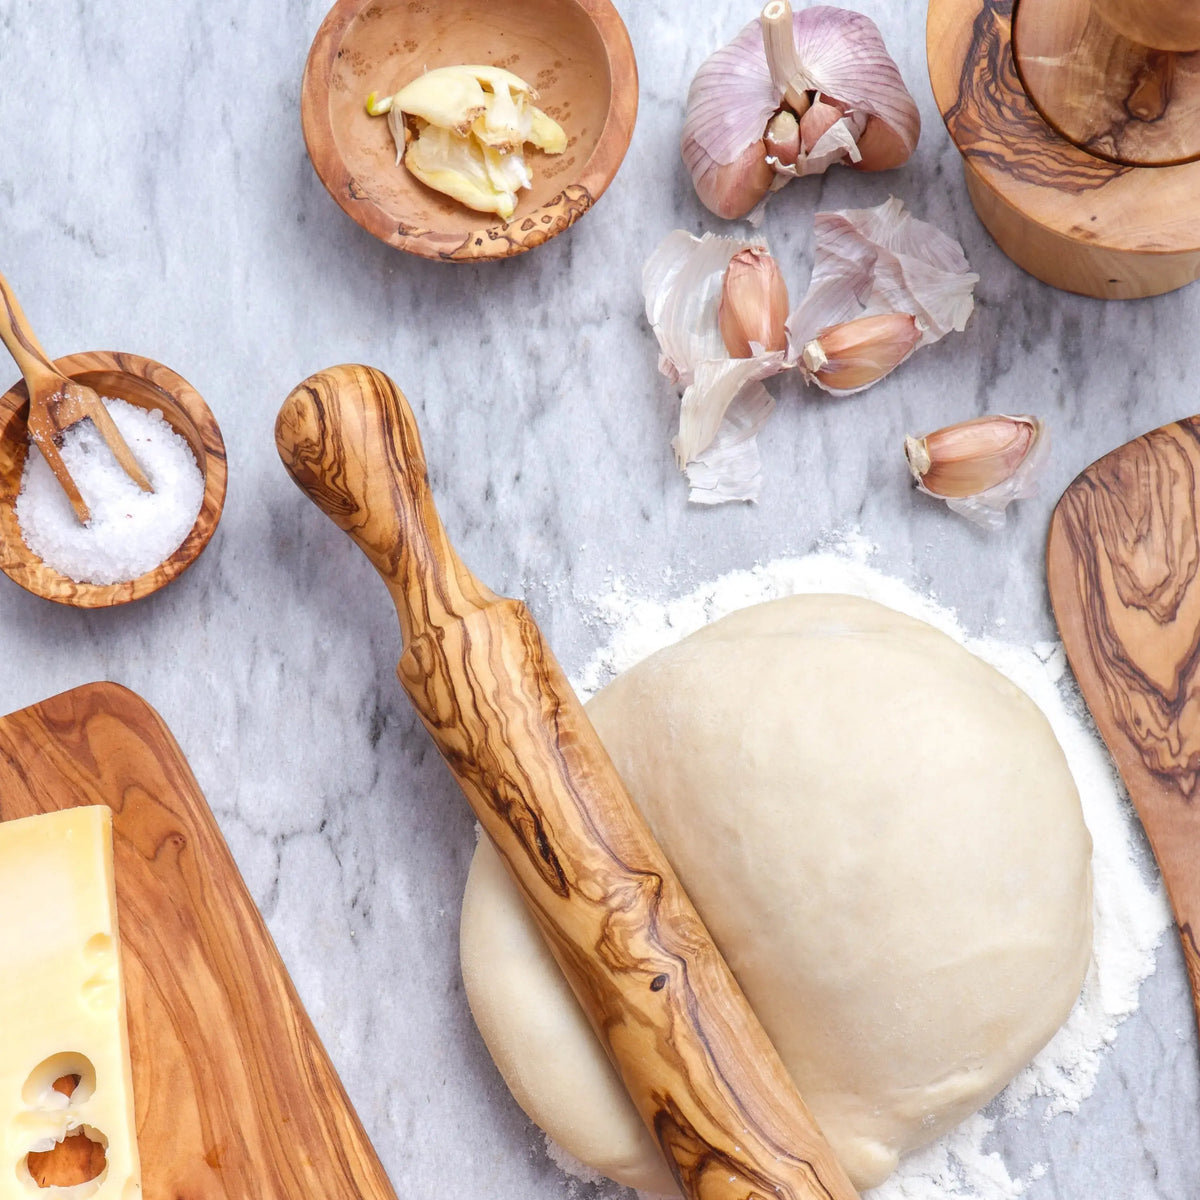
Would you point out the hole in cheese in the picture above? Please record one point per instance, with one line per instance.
(43, 1089)
(78, 1158)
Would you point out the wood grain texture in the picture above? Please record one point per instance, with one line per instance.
(149, 385)
(56, 403)
(1163, 24)
(693, 1057)
(235, 1096)
(1070, 217)
(576, 54)
(1120, 99)
(1123, 564)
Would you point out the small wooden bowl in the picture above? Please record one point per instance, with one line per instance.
(149, 385)
(575, 53)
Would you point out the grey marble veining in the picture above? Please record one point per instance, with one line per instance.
(155, 196)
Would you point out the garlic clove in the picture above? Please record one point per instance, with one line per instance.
(545, 133)
(783, 138)
(449, 97)
(472, 123)
(880, 147)
(723, 403)
(731, 190)
(754, 304)
(681, 283)
(857, 353)
(981, 466)
(971, 457)
(457, 167)
(882, 260)
(818, 120)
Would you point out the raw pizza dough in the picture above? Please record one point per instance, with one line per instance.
(882, 835)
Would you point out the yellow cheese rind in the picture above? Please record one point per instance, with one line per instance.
(62, 1002)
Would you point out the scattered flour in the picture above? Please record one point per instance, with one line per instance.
(1131, 911)
(131, 531)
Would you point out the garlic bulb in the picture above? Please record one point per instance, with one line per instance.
(979, 467)
(724, 403)
(792, 94)
(874, 263)
(471, 125)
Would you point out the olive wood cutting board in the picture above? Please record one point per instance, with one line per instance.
(235, 1096)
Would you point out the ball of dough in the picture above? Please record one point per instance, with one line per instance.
(883, 837)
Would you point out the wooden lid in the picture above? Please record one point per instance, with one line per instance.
(1132, 103)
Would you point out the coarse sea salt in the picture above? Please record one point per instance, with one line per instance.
(130, 531)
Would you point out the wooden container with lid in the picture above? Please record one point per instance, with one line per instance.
(1079, 126)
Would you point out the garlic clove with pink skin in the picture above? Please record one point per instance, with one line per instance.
(871, 263)
(858, 353)
(744, 94)
(979, 467)
(732, 190)
(880, 148)
(723, 404)
(754, 304)
(971, 457)
(817, 121)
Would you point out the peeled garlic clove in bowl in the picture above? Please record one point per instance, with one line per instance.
(469, 127)
(824, 64)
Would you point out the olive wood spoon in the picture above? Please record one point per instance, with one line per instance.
(56, 403)
(696, 1062)
(1123, 567)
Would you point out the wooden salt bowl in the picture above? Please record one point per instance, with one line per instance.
(575, 53)
(1079, 126)
(149, 385)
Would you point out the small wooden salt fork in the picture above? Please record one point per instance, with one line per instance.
(56, 403)
(691, 1053)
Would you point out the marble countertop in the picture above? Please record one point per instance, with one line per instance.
(156, 197)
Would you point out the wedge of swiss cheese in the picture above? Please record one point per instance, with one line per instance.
(62, 1003)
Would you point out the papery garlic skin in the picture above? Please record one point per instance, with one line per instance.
(875, 262)
(723, 403)
(471, 126)
(754, 304)
(835, 57)
(979, 467)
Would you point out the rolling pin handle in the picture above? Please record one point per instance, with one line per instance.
(334, 430)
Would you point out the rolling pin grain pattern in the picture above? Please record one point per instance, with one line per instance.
(697, 1064)
(1124, 570)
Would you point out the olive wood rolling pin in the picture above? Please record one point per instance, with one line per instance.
(695, 1060)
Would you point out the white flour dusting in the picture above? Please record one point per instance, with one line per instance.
(1131, 912)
